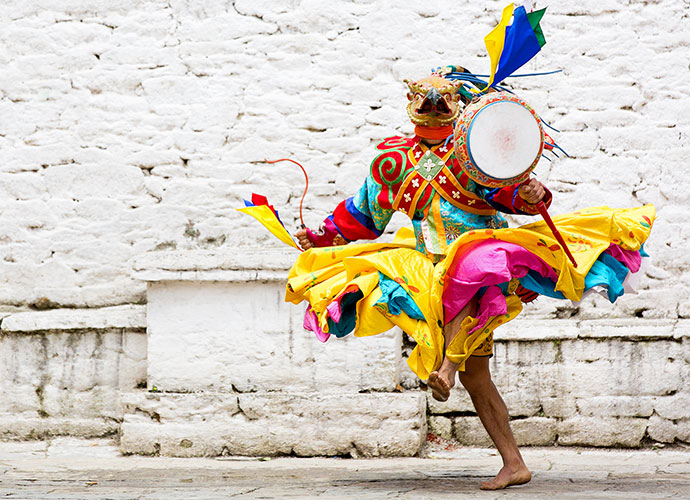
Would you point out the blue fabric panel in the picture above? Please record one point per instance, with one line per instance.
(348, 317)
(397, 299)
(366, 203)
(606, 271)
(363, 219)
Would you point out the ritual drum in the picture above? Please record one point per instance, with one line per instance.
(498, 140)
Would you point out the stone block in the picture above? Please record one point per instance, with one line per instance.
(685, 350)
(521, 385)
(661, 429)
(604, 368)
(458, 402)
(89, 181)
(248, 264)
(681, 330)
(441, 427)
(211, 424)
(535, 330)
(683, 430)
(627, 328)
(521, 401)
(470, 431)
(21, 186)
(534, 431)
(132, 370)
(616, 406)
(559, 407)
(64, 373)
(673, 407)
(227, 336)
(129, 317)
(596, 431)
(551, 381)
(654, 303)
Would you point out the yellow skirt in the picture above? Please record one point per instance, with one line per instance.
(368, 288)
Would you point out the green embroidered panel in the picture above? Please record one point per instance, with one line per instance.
(429, 165)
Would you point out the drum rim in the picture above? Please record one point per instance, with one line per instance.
(469, 133)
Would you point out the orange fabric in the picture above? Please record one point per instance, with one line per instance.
(433, 132)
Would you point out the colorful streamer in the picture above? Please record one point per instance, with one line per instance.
(261, 210)
(512, 44)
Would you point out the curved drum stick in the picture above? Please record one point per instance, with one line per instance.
(547, 218)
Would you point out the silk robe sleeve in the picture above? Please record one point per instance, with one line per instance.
(507, 200)
(359, 217)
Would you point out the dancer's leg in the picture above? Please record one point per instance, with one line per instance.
(493, 413)
(443, 380)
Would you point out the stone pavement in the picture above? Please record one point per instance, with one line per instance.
(73, 469)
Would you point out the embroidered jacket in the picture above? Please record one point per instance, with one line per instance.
(427, 184)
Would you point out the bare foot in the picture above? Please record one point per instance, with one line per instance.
(439, 387)
(508, 477)
(443, 380)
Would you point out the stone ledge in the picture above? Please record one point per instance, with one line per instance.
(530, 330)
(240, 265)
(262, 424)
(14, 428)
(72, 320)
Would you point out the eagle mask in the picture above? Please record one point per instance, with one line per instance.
(434, 101)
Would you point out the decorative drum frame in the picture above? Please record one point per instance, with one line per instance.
(481, 109)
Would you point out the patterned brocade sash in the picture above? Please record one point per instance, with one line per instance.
(431, 174)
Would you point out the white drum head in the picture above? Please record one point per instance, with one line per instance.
(504, 139)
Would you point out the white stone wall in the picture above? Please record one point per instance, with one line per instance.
(62, 372)
(620, 383)
(133, 126)
(129, 126)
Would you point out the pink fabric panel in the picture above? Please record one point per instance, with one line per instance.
(489, 262)
(334, 310)
(311, 323)
(629, 258)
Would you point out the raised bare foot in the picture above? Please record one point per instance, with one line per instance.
(443, 380)
(508, 477)
(439, 387)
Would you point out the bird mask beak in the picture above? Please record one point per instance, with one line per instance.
(433, 103)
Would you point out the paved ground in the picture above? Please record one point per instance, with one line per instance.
(72, 469)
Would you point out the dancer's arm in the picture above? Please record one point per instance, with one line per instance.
(517, 199)
(359, 217)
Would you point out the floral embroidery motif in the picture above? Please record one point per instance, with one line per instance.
(429, 166)
(405, 281)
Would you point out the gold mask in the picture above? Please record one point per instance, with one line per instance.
(434, 101)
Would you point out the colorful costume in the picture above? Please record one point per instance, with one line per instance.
(461, 247)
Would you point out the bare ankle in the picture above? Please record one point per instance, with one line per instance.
(514, 463)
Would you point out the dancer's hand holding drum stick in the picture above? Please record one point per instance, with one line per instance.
(532, 192)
